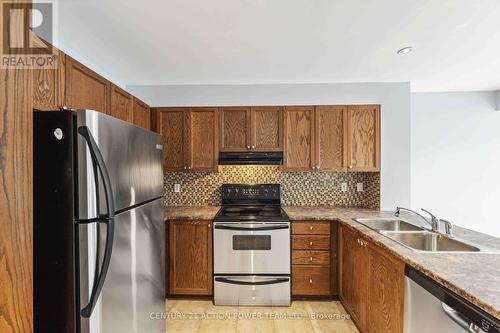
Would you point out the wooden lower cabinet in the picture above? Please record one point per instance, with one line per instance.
(190, 258)
(314, 254)
(371, 284)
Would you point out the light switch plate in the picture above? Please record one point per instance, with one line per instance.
(359, 187)
(343, 187)
(177, 188)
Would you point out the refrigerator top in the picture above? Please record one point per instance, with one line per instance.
(132, 156)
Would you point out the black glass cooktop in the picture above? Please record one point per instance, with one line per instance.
(235, 213)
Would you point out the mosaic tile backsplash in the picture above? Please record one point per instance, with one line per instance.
(298, 188)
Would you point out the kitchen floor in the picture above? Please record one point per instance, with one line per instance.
(200, 316)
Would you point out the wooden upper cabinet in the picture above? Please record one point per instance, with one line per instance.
(299, 137)
(386, 293)
(266, 128)
(235, 129)
(331, 129)
(170, 124)
(363, 137)
(190, 257)
(202, 130)
(122, 104)
(49, 85)
(86, 89)
(141, 114)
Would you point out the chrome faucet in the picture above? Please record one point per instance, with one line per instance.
(447, 226)
(434, 221)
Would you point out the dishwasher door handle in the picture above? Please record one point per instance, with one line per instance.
(460, 320)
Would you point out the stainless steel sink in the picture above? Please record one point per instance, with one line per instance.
(388, 224)
(427, 241)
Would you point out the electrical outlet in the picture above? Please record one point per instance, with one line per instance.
(343, 187)
(177, 188)
(359, 187)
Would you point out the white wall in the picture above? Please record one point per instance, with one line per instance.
(498, 100)
(393, 97)
(455, 157)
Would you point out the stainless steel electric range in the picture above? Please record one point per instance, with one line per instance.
(251, 247)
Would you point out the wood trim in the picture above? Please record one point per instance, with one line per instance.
(49, 85)
(16, 201)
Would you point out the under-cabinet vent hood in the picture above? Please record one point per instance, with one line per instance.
(251, 158)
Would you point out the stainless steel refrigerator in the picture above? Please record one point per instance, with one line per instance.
(98, 228)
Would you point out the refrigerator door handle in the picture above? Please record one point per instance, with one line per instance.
(107, 219)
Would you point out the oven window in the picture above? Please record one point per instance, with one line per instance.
(251, 242)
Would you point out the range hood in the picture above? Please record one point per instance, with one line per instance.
(251, 158)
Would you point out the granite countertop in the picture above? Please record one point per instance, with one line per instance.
(191, 212)
(474, 276)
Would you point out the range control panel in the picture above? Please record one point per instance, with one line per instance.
(237, 192)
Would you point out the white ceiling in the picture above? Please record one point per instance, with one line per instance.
(456, 42)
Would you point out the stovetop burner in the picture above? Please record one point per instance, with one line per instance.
(261, 202)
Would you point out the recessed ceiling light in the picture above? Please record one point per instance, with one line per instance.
(405, 50)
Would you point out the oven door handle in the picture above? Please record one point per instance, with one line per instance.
(275, 227)
(252, 283)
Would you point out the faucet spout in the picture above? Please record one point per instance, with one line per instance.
(434, 222)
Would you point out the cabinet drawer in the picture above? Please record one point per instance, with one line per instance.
(310, 242)
(306, 257)
(310, 280)
(311, 228)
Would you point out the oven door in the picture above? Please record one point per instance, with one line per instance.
(252, 248)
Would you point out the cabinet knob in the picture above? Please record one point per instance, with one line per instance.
(350, 166)
(311, 228)
(253, 147)
(310, 243)
(248, 147)
(310, 280)
(209, 225)
(189, 167)
(185, 168)
(310, 259)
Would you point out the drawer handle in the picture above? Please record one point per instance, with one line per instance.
(311, 228)
(310, 243)
(310, 280)
(310, 259)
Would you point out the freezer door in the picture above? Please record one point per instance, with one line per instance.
(133, 157)
(134, 291)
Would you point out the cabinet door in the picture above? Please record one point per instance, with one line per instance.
(190, 257)
(235, 129)
(331, 130)
(141, 113)
(202, 139)
(49, 85)
(266, 128)
(122, 104)
(353, 276)
(385, 292)
(85, 89)
(170, 124)
(363, 137)
(299, 137)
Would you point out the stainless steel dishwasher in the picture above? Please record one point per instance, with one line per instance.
(430, 307)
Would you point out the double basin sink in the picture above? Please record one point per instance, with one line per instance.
(416, 237)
